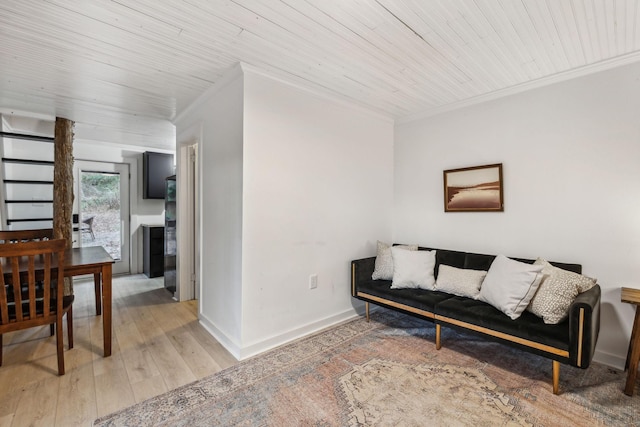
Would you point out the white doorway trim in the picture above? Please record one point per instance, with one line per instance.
(188, 214)
(122, 266)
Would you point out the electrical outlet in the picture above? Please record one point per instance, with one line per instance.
(313, 281)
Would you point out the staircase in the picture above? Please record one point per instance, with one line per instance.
(26, 201)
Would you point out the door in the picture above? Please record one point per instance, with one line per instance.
(102, 203)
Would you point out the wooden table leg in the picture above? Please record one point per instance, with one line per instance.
(633, 356)
(96, 284)
(106, 308)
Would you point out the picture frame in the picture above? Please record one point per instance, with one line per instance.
(474, 189)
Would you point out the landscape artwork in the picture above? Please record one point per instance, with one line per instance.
(473, 189)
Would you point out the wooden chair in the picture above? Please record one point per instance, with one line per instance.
(31, 290)
(13, 236)
(87, 226)
(16, 236)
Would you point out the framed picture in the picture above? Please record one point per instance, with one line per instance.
(474, 189)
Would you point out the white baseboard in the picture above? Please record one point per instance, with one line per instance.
(255, 348)
(299, 332)
(609, 359)
(221, 337)
(241, 353)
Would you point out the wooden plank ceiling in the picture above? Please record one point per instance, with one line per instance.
(124, 68)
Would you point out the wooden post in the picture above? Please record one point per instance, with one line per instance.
(63, 186)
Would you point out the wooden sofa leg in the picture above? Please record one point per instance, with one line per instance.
(366, 310)
(556, 376)
(438, 345)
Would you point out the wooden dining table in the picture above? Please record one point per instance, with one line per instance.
(94, 260)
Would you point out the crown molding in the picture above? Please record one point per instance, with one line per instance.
(228, 77)
(293, 82)
(523, 87)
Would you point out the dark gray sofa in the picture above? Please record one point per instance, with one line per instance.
(571, 342)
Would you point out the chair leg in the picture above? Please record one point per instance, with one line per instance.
(556, 376)
(70, 326)
(59, 344)
(96, 284)
(0, 349)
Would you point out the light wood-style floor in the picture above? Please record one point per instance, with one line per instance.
(158, 345)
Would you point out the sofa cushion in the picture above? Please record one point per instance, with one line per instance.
(447, 257)
(460, 281)
(384, 261)
(478, 261)
(528, 326)
(417, 298)
(510, 285)
(557, 291)
(413, 269)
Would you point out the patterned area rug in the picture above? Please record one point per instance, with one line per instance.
(388, 373)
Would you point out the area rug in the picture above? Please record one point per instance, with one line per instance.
(388, 373)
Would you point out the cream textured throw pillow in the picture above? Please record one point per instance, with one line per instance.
(384, 262)
(460, 281)
(557, 291)
(510, 285)
(413, 269)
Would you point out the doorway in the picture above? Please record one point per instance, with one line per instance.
(102, 204)
(188, 220)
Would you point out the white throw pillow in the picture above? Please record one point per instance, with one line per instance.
(413, 269)
(556, 292)
(460, 281)
(510, 285)
(384, 262)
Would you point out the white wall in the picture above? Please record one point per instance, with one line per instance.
(318, 191)
(292, 184)
(570, 153)
(218, 113)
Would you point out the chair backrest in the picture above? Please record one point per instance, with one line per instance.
(13, 236)
(31, 283)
